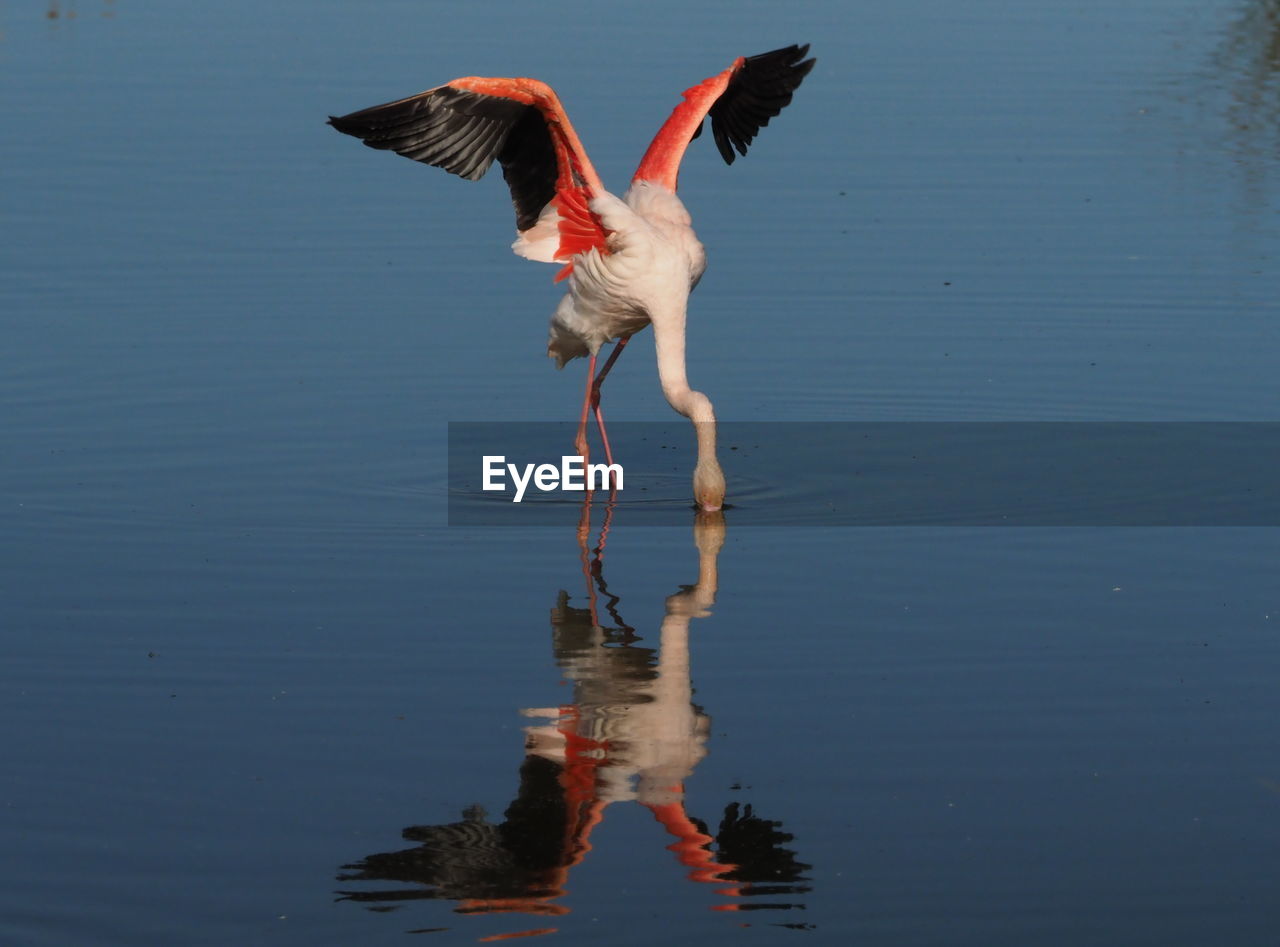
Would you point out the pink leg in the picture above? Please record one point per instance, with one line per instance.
(604, 437)
(580, 442)
(595, 396)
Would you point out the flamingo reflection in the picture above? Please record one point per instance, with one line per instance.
(631, 733)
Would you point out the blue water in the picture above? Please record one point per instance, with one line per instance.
(246, 656)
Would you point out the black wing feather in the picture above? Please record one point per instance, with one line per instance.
(528, 161)
(760, 90)
(464, 133)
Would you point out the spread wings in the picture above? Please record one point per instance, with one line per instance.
(467, 124)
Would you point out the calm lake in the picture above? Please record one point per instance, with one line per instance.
(264, 681)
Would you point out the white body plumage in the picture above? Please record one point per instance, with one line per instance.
(654, 262)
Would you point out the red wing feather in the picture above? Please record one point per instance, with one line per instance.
(467, 124)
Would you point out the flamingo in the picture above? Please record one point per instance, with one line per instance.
(630, 262)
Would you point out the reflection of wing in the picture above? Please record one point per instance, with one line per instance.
(749, 851)
(460, 859)
(518, 865)
(754, 847)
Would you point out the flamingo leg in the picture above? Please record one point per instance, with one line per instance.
(604, 437)
(595, 398)
(580, 442)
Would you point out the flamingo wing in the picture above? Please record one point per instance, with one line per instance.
(741, 100)
(758, 91)
(467, 124)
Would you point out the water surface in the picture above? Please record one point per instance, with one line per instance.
(249, 666)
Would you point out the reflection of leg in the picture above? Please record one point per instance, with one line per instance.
(595, 398)
(598, 556)
(592, 559)
(626, 634)
(584, 553)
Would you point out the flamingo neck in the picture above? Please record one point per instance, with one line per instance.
(708, 478)
(668, 340)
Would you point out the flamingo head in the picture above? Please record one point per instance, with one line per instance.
(708, 485)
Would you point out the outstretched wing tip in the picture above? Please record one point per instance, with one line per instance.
(760, 88)
(449, 127)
